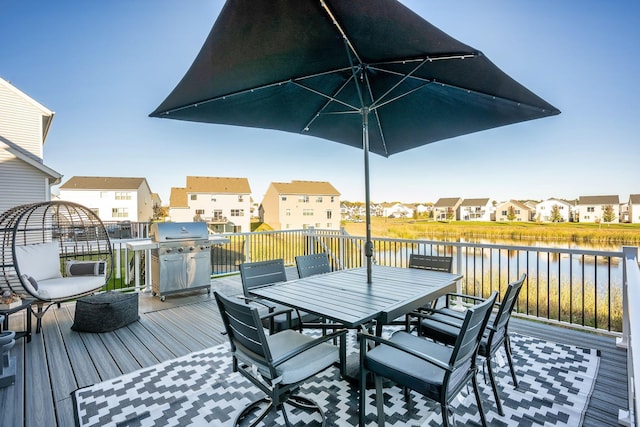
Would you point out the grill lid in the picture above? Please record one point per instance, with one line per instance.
(172, 231)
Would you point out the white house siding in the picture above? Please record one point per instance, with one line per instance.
(210, 202)
(20, 183)
(545, 208)
(20, 121)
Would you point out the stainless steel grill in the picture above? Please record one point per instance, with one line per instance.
(182, 259)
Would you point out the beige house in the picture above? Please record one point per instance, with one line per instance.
(223, 203)
(593, 208)
(301, 204)
(513, 210)
(446, 208)
(24, 125)
(111, 198)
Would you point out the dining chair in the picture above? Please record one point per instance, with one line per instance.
(431, 262)
(262, 273)
(277, 363)
(428, 262)
(445, 324)
(436, 371)
(309, 265)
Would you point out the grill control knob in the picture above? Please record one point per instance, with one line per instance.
(191, 248)
(180, 249)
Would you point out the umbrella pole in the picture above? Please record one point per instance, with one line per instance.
(368, 250)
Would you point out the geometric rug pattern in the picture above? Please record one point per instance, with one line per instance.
(555, 384)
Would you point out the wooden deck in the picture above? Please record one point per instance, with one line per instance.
(59, 360)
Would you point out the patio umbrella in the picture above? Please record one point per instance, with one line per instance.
(371, 74)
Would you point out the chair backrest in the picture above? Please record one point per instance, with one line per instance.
(244, 329)
(507, 304)
(256, 274)
(308, 265)
(431, 262)
(468, 340)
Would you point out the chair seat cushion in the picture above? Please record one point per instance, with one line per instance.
(443, 327)
(303, 365)
(410, 371)
(67, 287)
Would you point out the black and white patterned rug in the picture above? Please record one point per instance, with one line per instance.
(555, 383)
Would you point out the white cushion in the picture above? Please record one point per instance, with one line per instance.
(40, 261)
(67, 287)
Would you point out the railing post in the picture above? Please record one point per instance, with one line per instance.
(628, 251)
(630, 322)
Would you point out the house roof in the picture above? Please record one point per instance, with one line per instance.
(599, 200)
(446, 202)
(47, 115)
(634, 199)
(178, 197)
(103, 183)
(306, 188)
(474, 202)
(217, 185)
(27, 157)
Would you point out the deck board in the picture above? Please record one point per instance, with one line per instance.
(58, 360)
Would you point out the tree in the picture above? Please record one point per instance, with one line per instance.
(608, 214)
(451, 215)
(511, 213)
(556, 216)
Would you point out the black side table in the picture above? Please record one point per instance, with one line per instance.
(26, 305)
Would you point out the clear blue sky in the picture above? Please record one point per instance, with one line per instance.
(104, 66)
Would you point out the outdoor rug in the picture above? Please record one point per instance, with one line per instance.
(555, 384)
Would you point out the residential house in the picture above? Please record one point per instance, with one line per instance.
(24, 125)
(596, 208)
(301, 204)
(531, 204)
(111, 198)
(447, 209)
(424, 208)
(476, 209)
(634, 208)
(397, 210)
(553, 210)
(513, 210)
(223, 203)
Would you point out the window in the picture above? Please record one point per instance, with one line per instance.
(319, 199)
(307, 212)
(504, 213)
(303, 199)
(120, 212)
(317, 225)
(287, 212)
(332, 198)
(517, 211)
(329, 214)
(199, 211)
(123, 195)
(240, 198)
(328, 225)
(213, 198)
(590, 209)
(194, 197)
(237, 212)
(283, 198)
(217, 214)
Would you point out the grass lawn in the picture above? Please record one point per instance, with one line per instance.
(628, 234)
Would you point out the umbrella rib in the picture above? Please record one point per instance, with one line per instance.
(342, 32)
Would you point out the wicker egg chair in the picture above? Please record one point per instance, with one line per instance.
(53, 252)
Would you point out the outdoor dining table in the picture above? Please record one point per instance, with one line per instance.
(344, 296)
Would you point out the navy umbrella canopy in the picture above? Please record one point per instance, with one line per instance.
(371, 74)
